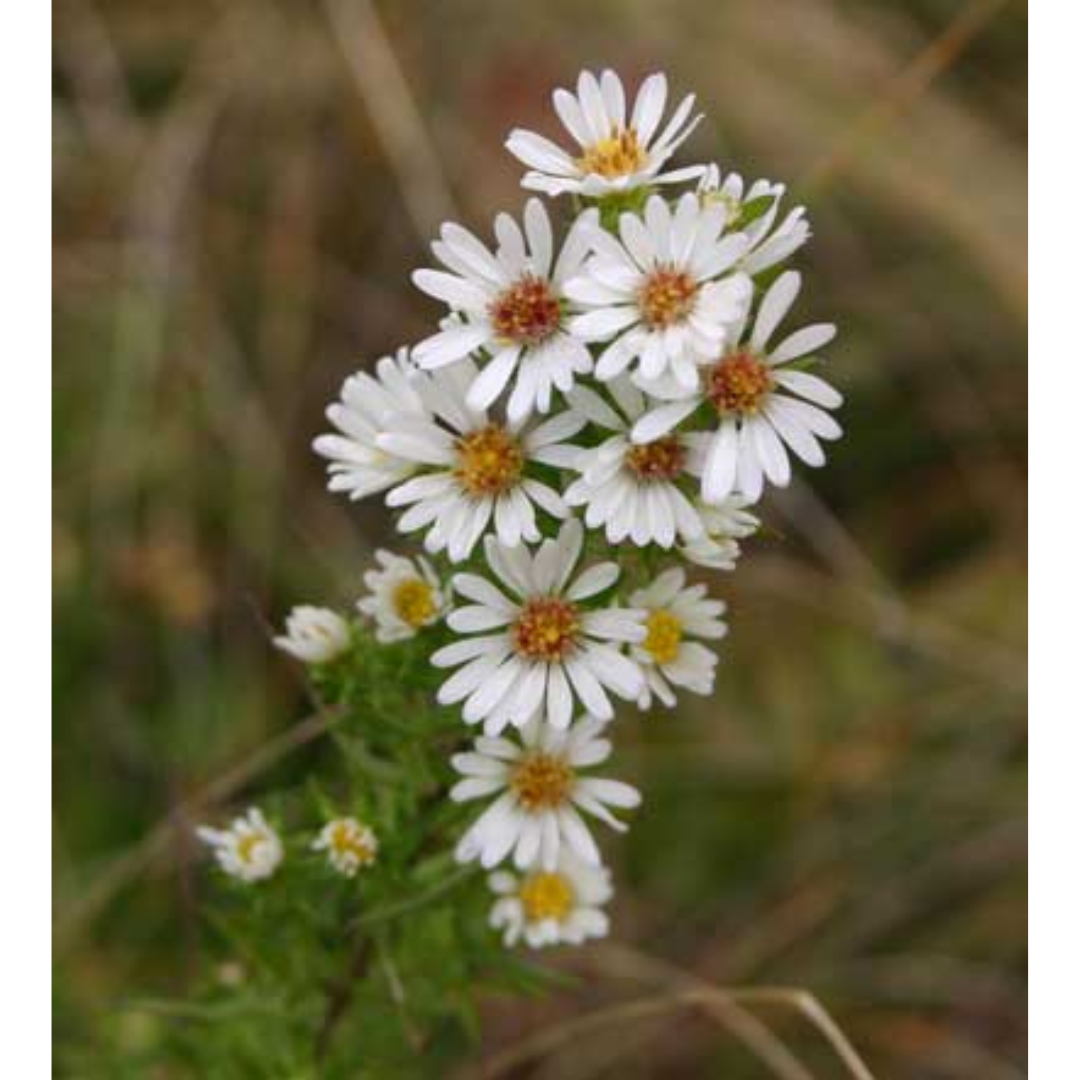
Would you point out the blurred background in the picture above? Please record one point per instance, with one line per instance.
(240, 190)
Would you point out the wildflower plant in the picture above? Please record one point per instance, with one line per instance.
(604, 396)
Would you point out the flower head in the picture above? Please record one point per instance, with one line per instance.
(763, 407)
(314, 635)
(540, 787)
(512, 306)
(248, 849)
(560, 906)
(349, 845)
(675, 615)
(405, 596)
(357, 465)
(664, 294)
(475, 468)
(614, 153)
(549, 640)
(726, 523)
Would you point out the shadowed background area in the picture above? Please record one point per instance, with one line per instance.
(240, 191)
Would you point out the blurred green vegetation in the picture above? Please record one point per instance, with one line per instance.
(240, 189)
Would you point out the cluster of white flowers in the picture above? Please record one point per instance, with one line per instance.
(622, 390)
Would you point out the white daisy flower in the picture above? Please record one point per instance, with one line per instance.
(676, 613)
(314, 635)
(612, 154)
(725, 525)
(357, 466)
(349, 845)
(513, 307)
(405, 596)
(249, 849)
(547, 643)
(630, 489)
(562, 906)
(758, 421)
(540, 791)
(664, 294)
(767, 246)
(476, 468)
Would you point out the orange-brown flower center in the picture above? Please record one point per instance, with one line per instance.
(541, 781)
(620, 154)
(738, 383)
(527, 312)
(666, 297)
(546, 629)
(489, 461)
(662, 459)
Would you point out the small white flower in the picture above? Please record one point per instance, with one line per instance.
(405, 596)
(634, 490)
(562, 906)
(476, 468)
(758, 421)
(249, 849)
(357, 465)
(549, 643)
(726, 524)
(541, 790)
(513, 307)
(767, 246)
(612, 154)
(664, 294)
(676, 613)
(314, 635)
(349, 845)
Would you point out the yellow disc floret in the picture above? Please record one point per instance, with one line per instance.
(620, 154)
(666, 297)
(662, 459)
(738, 383)
(546, 896)
(489, 461)
(663, 636)
(541, 781)
(414, 602)
(546, 629)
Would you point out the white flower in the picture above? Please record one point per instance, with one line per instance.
(758, 422)
(314, 635)
(405, 596)
(561, 906)
(675, 614)
(513, 307)
(357, 466)
(541, 790)
(249, 849)
(726, 524)
(633, 490)
(477, 468)
(662, 296)
(548, 643)
(612, 155)
(348, 844)
(767, 246)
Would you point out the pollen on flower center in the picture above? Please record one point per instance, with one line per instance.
(666, 297)
(620, 154)
(541, 781)
(546, 896)
(526, 313)
(662, 459)
(738, 383)
(546, 629)
(348, 841)
(247, 845)
(489, 461)
(414, 601)
(663, 635)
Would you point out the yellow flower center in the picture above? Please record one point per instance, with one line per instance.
(660, 460)
(541, 781)
(546, 896)
(620, 154)
(546, 629)
(247, 845)
(738, 383)
(347, 841)
(666, 297)
(414, 602)
(489, 461)
(526, 313)
(663, 635)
